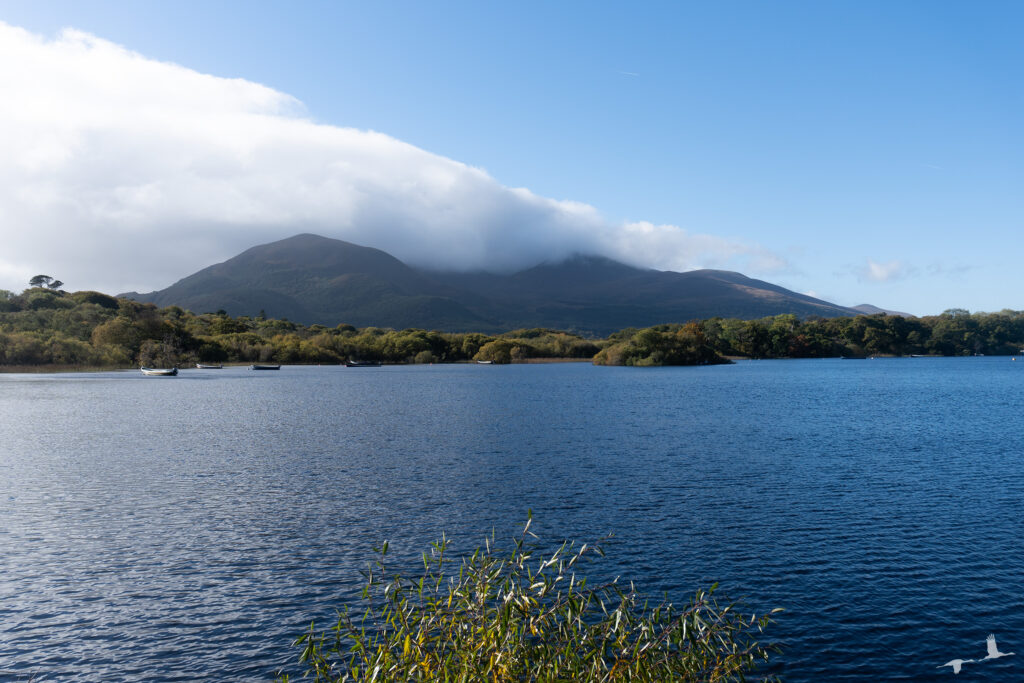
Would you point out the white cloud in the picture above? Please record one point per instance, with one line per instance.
(889, 271)
(119, 172)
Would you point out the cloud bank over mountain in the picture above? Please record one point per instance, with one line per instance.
(119, 172)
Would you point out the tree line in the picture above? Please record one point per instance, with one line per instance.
(955, 332)
(43, 326)
(46, 326)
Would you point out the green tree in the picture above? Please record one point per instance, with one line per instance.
(89, 297)
(662, 345)
(8, 301)
(781, 333)
(496, 351)
(472, 342)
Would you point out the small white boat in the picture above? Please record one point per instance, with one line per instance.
(203, 366)
(485, 362)
(159, 372)
(362, 364)
(264, 367)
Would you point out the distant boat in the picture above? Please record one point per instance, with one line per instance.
(485, 362)
(159, 372)
(362, 364)
(264, 367)
(202, 366)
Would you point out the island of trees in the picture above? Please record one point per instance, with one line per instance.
(47, 326)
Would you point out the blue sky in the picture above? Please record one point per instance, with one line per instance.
(862, 151)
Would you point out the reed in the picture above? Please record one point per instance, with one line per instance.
(524, 615)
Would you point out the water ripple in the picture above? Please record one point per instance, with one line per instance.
(185, 530)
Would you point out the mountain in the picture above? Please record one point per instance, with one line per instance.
(312, 279)
(868, 309)
(597, 294)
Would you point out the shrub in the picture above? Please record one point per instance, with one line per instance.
(39, 299)
(500, 351)
(8, 301)
(664, 345)
(526, 616)
(98, 298)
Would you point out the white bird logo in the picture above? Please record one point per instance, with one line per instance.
(956, 664)
(993, 651)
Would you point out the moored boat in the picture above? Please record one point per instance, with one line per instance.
(264, 367)
(159, 372)
(362, 364)
(204, 366)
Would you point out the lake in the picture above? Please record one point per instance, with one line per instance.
(172, 529)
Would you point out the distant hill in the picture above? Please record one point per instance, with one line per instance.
(868, 309)
(312, 279)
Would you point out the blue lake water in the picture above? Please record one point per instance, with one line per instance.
(167, 529)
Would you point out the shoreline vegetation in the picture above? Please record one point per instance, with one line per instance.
(526, 614)
(44, 329)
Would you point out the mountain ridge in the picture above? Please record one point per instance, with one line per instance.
(319, 280)
(868, 309)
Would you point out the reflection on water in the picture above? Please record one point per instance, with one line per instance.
(189, 528)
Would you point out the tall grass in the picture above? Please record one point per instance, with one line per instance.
(523, 615)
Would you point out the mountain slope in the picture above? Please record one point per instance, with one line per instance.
(597, 294)
(868, 309)
(312, 279)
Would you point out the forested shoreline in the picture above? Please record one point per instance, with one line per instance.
(45, 326)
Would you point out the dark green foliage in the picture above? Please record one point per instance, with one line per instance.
(528, 615)
(37, 299)
(45, 281)
(662, 345)
(42, 326)
(8, 301)
(953, 333)
(499, 351)
(104, 300)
